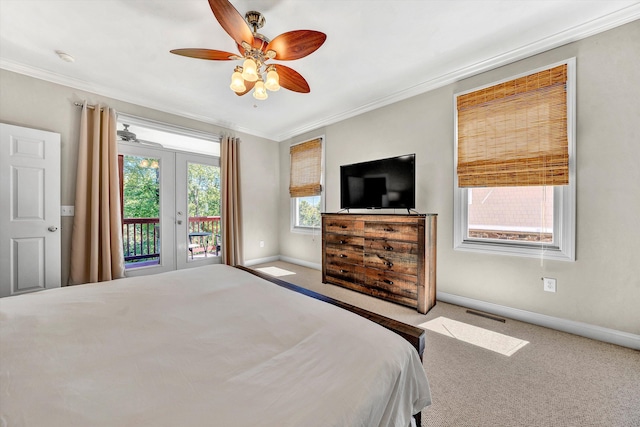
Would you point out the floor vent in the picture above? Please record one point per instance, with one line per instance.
(488, 316)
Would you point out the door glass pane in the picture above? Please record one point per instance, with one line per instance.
(203, 201)
(141, 210)
(522, 214)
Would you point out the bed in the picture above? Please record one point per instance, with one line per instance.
(209, 346)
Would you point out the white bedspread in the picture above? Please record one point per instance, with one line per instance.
(211, 346)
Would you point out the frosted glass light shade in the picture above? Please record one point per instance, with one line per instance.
(259, 91)
(273, 80)
(237, 82)
(250, 70)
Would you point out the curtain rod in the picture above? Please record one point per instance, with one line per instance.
(91, 107)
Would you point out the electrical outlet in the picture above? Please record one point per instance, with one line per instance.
(262, 243)
(549, 284)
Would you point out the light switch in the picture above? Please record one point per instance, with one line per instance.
(67, 210)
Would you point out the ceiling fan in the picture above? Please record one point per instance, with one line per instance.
(255, 49)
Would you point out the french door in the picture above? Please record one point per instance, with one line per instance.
(171, 209)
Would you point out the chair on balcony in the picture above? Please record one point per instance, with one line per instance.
(217, 244)
(192, 245)
(204, 240)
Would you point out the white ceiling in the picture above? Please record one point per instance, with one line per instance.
(377, 52)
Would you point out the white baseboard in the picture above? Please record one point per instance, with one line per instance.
(315, 266)
(599, 333)
(250, 262)
(296, 261)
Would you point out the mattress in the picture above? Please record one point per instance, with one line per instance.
(208, 346)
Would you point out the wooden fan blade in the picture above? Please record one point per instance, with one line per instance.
(292, 80)
(215, 55)
(248, 85)
(231, 21)
(296, 44)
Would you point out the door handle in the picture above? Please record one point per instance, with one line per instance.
(179, 222)
(52, 228)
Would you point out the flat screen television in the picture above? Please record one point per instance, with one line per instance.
(385, 183)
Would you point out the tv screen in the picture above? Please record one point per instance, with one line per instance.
(384, 183)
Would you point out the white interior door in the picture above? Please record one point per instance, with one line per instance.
(29, 210)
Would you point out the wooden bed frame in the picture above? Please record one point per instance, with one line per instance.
(415, 336)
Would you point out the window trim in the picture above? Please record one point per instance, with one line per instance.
(564, 197)
(292, 208)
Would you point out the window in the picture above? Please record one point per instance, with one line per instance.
(515, 156)
(307, 211)
(305, 185)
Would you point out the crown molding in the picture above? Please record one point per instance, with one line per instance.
(608, 22)
(621, 17)
(110, 92)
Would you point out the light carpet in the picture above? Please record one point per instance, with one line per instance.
(485, 338)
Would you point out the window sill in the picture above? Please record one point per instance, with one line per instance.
(305, 230)
(528, 251)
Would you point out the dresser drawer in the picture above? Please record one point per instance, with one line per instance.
(344, 226)
(403, 285)
(382, 246)
(345, 272)
(392, 261)
(338, 253)
(391, 231)
(353, 242)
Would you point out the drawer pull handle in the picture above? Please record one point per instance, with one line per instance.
(343, 271)
(388, 248)
(342, 256)
(388, 282)
(389, 229)
(342, 242)
(343, 226)
(389, 264)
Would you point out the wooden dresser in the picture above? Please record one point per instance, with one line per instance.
(392, 257)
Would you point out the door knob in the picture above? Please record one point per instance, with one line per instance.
(52, 228)
(179, 222)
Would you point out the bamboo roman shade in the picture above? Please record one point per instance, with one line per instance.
(515, 133)
(306, 169)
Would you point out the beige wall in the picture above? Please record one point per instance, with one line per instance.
(35, 103)
(603, 286)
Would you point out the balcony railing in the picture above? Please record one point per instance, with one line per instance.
(141, 236)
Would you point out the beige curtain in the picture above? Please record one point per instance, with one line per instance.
(96, 240)
(231, 209)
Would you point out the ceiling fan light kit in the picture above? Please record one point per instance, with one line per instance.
(237, 82)
(273, 79)
(259, 91)
(256, 50)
